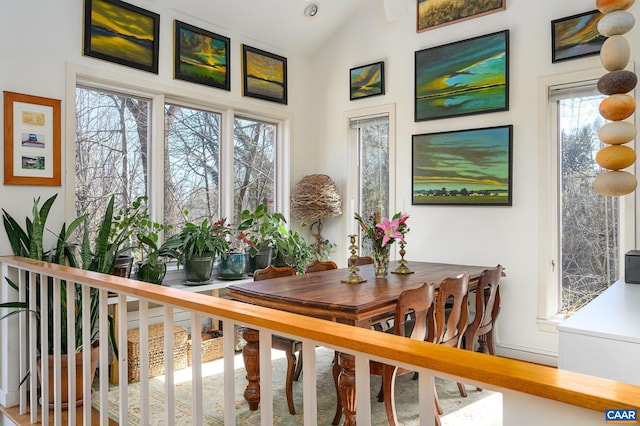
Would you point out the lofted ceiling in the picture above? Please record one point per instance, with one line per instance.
(279, 25)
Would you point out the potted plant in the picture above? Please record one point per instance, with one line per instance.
(233, 265)
(265, 229)
(153, 264)
(197, 247)
(291, 249)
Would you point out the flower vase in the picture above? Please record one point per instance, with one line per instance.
(381, 261)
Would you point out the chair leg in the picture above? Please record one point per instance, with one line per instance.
(462, 390)
(437, 401)
(489, 338)
(336, 371)
(298, 371)
(388, 384)
(291, 365)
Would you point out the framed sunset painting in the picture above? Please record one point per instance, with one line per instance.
(433, 14)
(576, 36)
(201, 56)
(462, 167)
(462, 78)
(264, 75)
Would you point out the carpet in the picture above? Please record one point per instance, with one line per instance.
(480, 408)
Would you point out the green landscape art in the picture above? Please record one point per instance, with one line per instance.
(366, 81)
(462, 78)
(468, 167)
(437, 13)
(201, 56)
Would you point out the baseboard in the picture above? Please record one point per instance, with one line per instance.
(527, 354)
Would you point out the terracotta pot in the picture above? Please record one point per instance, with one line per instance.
(65, 377)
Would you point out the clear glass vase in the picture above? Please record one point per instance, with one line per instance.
(381, 261)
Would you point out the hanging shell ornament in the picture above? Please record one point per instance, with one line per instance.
(618, 105)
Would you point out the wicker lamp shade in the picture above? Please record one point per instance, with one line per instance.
(315, 197)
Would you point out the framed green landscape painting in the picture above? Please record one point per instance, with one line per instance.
(201, 56)
(462, 167)
(367, 80)
(433, 14)
(462, 78)
(122, 33)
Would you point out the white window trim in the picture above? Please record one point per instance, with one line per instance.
(203, 98)
(548, 316)
(351, 171)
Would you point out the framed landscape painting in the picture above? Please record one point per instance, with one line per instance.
(201, 56)
(264, 75)
(122, 33)
(367, 80)
(576, 36)
(438, 13)
(462, 78)
(462, 167)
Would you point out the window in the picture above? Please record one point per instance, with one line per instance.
(372, 152)
(588, 233)
(187, 165)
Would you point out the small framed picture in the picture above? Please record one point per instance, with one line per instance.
(201, 56)
(264, 75)
(122, 33)
(576, 36)
(31, 140)
(462, 167)
(366, 81)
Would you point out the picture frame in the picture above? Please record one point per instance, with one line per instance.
(463, 167)
(366, 81)
(32, 153)
(201, 56)
(576, 36)
(432, 14)
(462, 78)
(132, 40)
(264, 75)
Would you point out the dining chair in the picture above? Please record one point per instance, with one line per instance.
(415, 304)
(361, 260)
(319, 265)
(451, 319)
(487, 309)
(289, 346)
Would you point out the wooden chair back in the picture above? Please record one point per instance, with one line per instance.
(487, 305)
(451, 323)
(361, 260)
(273, 272)
(319, 265)
(412, 312)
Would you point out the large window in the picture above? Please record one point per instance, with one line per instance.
(180, 169)
(588, 225)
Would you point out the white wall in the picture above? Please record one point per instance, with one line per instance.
(466, 235)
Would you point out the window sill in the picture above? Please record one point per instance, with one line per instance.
(550, 325)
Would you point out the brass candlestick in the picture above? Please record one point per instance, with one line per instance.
(402, 267)
(353, 277)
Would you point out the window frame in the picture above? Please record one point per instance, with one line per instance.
(159, 94)
(548, 213)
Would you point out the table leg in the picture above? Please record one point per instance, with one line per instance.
(251, 356)
(347, 387)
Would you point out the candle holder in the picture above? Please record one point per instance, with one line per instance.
(353, 277)
(402, 267)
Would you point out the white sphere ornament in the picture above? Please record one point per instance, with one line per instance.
(617, 132)
(614, 183)
(615, 53)
(616, 23)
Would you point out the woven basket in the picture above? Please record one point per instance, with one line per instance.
(156, 350)
(211, 348)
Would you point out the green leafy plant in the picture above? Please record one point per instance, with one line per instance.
(264, 227)
(291, 249)
(204, 239)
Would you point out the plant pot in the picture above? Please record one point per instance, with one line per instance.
(95, 355)
(233, 266)
(122, 267)
(151, 273)
(198, 269)
(261, 260)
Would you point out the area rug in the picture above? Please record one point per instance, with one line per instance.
(479, 408)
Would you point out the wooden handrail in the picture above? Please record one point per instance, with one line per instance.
(547, 382)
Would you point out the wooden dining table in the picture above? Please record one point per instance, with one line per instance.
(324, 295)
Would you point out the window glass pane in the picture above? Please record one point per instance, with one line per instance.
(590, 225)
(192, 165)
(254, 147)
(112, 132)
(373, 152)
